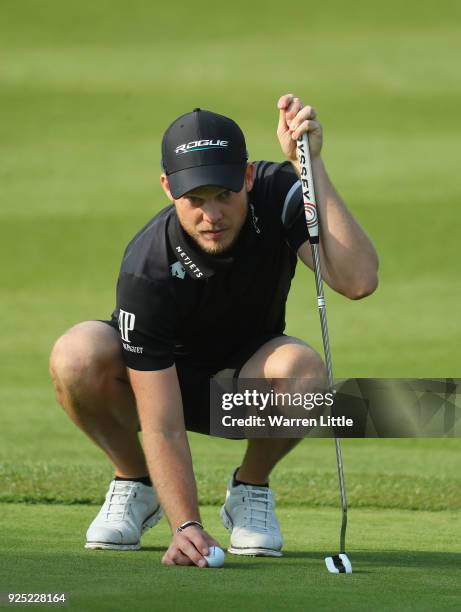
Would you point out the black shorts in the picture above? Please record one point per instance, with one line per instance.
(194, 381)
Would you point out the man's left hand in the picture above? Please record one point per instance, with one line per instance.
(296, 119)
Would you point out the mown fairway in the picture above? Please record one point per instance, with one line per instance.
(86, 90)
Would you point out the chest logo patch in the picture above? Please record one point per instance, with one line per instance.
(187, 261)
(177, 270)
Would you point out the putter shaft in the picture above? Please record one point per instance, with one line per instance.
(326, 348)
(310, 209)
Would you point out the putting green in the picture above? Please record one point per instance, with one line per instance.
(42, 550)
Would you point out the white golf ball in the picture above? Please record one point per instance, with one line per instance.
(215, 557)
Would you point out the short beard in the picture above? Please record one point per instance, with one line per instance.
(217, 250)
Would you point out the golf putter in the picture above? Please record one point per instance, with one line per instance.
(336, 564)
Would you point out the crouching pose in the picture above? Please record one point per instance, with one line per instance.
(202, 290)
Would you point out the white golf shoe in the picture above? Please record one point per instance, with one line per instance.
(249, 514)
(130, 508)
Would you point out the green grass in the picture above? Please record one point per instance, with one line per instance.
(86, 90)
(392, 569)
(400, 474)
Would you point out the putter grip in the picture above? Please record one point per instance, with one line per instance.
(307, 186)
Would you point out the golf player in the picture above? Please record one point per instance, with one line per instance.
(201, 291)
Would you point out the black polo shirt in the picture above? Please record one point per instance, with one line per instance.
(174, 301)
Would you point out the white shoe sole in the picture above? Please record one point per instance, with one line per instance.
(249, 551)
(110, 546)
(255, 552)
(150, 522)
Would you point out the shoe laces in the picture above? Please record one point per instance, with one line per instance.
(119, 501)
(259, 505)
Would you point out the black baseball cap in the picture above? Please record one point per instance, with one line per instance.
(203, 148)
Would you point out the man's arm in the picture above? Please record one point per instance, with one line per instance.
(159, 404)
(348, 258)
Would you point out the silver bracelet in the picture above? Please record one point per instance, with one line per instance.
(188, 524)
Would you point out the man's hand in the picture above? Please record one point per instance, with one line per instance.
(294, 120)
(189, 547)
(349, 259)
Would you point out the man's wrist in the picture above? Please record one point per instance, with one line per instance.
(187, 524)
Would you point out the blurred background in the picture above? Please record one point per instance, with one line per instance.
(86, 92)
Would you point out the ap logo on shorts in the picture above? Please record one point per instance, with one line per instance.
(126, 324)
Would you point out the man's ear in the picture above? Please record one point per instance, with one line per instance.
(249, 176)
(166, 186)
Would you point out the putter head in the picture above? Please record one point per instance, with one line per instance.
(338, 564)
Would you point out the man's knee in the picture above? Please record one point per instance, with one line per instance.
(296, 360)
(84, 356)
(285, 357)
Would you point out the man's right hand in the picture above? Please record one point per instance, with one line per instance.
(166, 446)
(188, 547)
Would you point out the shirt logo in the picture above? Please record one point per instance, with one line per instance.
(201, 145)
(132, 349)
(126, 324)
(187, 261)
(255, 219)
(177, 270)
